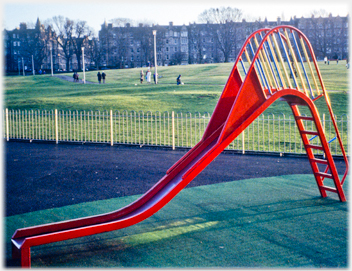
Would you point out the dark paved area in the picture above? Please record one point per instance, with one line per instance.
(40, 176)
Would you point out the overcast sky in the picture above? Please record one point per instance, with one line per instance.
(157, 11)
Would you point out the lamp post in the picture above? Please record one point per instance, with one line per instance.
(84, 69)
(155, 64)
(33, 65)
(51, 61)
(23, 66)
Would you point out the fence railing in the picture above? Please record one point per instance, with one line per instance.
(268, 133)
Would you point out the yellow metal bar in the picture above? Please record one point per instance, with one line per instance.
(276, 62)
(281, 60)
(264, 64)
(247, 56)
(289, 64)
(309, 65)
(269, 68)
(295, 63)
(250, 62)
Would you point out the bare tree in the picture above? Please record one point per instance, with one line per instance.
(195, 39)
(223, 28)
(319, 13)
(81, 34)
(121, 22)
(94, 52)
(64, 28)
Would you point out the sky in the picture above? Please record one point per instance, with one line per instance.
(157, 11)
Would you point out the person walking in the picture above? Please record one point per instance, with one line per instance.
(103, 75)
(99, 77)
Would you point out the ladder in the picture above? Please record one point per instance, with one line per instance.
(321, 144)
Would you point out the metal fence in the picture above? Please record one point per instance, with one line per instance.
(268, 133)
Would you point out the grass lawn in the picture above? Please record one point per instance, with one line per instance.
(200, 93)
(275, 222)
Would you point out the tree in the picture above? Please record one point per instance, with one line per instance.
(195, 39)
(64, 28)
(177, 58)
(94, 52)
(82, 32)
(221, 22)
(319, 13)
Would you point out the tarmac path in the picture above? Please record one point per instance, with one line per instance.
(43, 175)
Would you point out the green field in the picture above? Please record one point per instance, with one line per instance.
(202, 87)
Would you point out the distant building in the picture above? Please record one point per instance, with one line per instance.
(133, 46)
(129, 46)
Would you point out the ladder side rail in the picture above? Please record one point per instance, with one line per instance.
(328, 154)
(309, 151)
(328, 103)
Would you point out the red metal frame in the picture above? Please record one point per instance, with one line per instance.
(241, 102)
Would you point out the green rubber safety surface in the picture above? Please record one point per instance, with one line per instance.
(275, 222)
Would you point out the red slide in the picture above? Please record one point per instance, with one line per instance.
(241, 102)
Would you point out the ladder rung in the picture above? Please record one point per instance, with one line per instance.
(304, 118)
(325, 175)
(320, 161)
(328, 188)
(310, 132)
(314, 147)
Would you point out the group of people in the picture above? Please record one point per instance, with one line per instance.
(101, 76)
(148, 77)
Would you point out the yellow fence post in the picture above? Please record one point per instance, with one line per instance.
(243, 144)
(173, 129)
(111, 130)
(56, 128)
(7, 125)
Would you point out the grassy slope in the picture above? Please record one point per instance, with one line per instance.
(203, 86)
